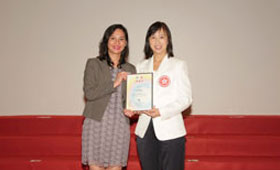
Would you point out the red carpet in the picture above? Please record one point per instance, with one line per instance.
(213, 143)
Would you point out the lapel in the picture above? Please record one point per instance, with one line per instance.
(124, 68)
(162, 64)
(106, 71)
(150, 65)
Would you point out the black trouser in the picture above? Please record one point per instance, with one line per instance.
(160, 155)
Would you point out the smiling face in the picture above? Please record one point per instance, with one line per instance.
(158, 43)
(116, 42)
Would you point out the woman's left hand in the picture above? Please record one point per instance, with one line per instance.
(129, 113)
(154, 112)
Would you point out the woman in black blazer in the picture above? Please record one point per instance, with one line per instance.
(106, 130)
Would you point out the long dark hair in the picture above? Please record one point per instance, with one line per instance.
(103, 48)
(152, 29)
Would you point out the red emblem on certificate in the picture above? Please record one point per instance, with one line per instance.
(164, 81)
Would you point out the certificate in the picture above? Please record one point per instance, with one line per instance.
(139, 94)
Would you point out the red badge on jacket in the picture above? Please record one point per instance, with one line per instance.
(164, 81)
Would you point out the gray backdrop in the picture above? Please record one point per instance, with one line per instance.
(231, 47)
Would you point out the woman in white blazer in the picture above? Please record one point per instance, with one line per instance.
(161, 131)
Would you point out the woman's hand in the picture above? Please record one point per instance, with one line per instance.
(154, 112)
(129, 113)
(119, 78)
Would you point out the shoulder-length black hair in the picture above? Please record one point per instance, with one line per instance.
(152, 29)
(103, 48)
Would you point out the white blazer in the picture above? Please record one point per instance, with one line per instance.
(171, 95)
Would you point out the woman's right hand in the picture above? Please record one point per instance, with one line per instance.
(119, 78)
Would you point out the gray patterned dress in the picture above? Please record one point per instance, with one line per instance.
(106, 143)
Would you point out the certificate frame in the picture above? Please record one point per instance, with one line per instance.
(139, 91)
